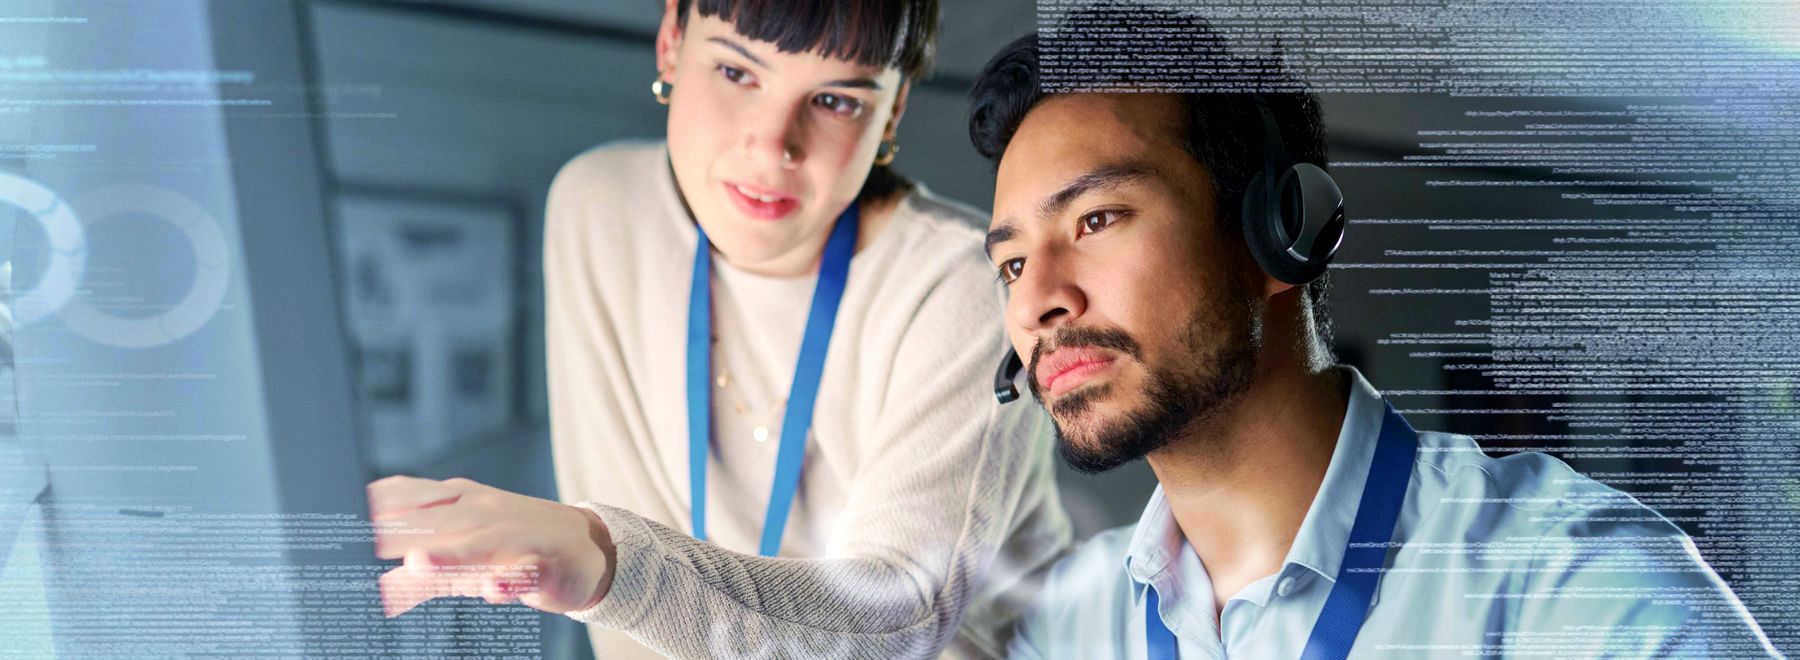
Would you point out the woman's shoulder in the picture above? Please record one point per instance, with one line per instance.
(933, 229)
(942, 217)
(615, 180)
(933, 250)
(614, 165)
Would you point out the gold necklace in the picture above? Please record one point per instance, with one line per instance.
(760, 431)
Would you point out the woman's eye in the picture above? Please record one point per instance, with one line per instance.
(735, 75)
(1099, 220)
(1011, 269)
(842, 106)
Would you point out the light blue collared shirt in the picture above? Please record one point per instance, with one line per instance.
(1513, 557)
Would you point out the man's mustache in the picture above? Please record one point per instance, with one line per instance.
(1108, 338)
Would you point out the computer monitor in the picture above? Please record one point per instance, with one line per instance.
(181, 367)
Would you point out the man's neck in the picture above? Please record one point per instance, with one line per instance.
(1240, 487)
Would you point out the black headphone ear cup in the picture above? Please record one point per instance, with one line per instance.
(1318, 212)
(1253, 216)
(1291, 211)
(1262, 227)
(1331, 236)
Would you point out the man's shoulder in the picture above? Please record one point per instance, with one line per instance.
(1089, 576)
(1076, 612)
(1529, 491)
(1535, 513)
(1571, 551)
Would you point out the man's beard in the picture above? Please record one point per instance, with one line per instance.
(1178, 399)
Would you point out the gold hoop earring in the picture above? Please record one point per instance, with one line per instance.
(661, 90)
(886, 152)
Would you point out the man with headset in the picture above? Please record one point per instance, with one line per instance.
(1164, 255)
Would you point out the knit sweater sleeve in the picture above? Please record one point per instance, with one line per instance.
(945, 472)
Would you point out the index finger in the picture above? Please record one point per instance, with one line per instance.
(400, 493)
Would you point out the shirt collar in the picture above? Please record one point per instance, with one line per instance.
(1319, 545)
(1155, 543)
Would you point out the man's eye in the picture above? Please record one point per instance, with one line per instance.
(1099, 220)
(735, 75)
(842, 106)
(1011, 269)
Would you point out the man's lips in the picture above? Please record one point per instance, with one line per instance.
(760, 202)
(1066, 368)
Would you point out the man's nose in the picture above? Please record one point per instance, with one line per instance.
(1046, 294)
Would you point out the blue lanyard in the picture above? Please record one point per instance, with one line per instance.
(834, 269)
(1348, 604)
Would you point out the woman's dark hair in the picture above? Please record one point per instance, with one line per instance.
(1222, 130)
(874, 33)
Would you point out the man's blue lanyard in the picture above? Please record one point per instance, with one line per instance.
(834, 269)
(1364, 555)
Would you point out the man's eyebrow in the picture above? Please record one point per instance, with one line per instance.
(853, 83)
(1104, 177)
(1001, 234)
(741, 50)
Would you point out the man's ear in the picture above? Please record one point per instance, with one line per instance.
(1271, 287)
(668, 39)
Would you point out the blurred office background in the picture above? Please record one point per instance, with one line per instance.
(419, 140)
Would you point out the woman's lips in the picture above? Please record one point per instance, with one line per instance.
(761, 203)
(1078, 371)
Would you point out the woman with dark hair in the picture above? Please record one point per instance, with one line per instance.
(821, 400)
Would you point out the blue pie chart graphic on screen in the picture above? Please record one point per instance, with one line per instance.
(65, 225)
(67, 254)
(211, 271)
